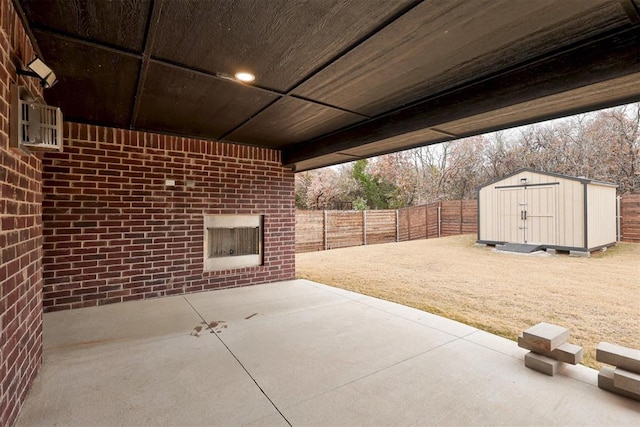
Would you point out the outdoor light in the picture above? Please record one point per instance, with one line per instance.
(42, 71)
(523, 180)
(245, 77)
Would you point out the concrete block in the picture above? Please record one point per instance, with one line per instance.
(541, 363)
(569, 353)
(551, 251)
(623, 357)
(626, 380)
(606, 382)
(583, 254)
(546, 336)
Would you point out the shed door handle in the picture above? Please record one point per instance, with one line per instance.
(521, 214)
(525, 215)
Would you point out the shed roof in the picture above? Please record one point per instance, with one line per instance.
(583, 180)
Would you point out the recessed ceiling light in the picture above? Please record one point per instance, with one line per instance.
(245, 77)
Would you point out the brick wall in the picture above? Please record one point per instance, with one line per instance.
(113, 231)
(20, 234)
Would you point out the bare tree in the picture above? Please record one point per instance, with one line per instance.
(603, 145)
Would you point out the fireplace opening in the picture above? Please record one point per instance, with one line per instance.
(233, 241)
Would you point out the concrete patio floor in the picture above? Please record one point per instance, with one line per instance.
(297, 353)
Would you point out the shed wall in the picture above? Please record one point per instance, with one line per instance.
(568, 210)
(601, 212)
(487, 219)
(571, 215)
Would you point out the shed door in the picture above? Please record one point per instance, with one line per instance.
(540, 218)
(511, 226)
(527, 214)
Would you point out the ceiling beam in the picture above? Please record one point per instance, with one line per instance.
(381, 26)
(152, 24)
(289, 92)
(588, 63)
(146, 58)
(76, 40)
(445, 133)
(632, 10)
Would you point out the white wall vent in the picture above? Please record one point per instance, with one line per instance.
(34, 125)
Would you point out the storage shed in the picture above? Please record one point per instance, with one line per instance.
(546, 209)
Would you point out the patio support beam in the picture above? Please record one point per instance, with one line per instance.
(614, 55)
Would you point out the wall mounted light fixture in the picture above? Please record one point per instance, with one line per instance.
(41, 71)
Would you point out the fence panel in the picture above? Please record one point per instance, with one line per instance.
(630, 218)
(403, 225)
(416, 223)
(381, 226)
(450, 218)
(469, 216)
(432, 220)
(309, 231)
(347, 228)
(344, 228)
(459, 217)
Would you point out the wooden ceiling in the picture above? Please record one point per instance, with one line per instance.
(336, 80)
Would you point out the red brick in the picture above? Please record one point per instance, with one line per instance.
(149, 237)
(20, 239)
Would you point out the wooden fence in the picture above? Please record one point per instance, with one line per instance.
(320, 230)
(630, 218)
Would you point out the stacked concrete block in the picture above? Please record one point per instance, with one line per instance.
(624, 377)
(549, 347)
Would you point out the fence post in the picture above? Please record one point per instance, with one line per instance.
(397, 226)
(364, 227)
(426, 221)
(461, 216)
(618, 216)
(439, 219)
(326, 227)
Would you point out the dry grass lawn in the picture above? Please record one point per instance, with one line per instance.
(597, 298)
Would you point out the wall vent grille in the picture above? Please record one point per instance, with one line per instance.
(35, 126)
